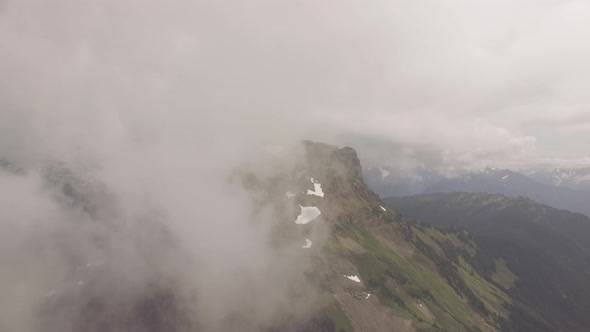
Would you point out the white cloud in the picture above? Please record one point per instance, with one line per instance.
(425, 74)
(150, 94)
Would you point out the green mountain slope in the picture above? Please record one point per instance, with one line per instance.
(411, 277)
(539, 255)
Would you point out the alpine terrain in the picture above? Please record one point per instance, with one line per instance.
(538, 254)
(357, 265)
(560, 189)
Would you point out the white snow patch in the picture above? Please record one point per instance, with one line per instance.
(290, 194)
(368, 296)
(308, 213)
(317, 189)
(505, 177)
(382, 208)
(384, 173)
(307, 244)
(353, 278)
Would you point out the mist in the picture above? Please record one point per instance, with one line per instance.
(121, 125)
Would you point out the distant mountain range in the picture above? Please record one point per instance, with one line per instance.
(551, 187)
(561, 177)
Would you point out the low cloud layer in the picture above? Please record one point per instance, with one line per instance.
(157, 103)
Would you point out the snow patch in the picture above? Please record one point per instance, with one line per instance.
(308, 213)
(290, 194)
(353, 278)
(307, 244)
(368, 296)
(384, 173)
(382, 208)
(505, 177)
(317, 189)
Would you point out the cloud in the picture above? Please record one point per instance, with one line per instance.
(430, 74)
(158, 106)
(159, 103)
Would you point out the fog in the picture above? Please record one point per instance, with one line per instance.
(121, 125)
(152, 105)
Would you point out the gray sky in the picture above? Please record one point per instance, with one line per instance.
(500, 83)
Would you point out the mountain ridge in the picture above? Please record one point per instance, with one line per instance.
(356, 264)
(502, 181)
(545, 249)
(403, 266)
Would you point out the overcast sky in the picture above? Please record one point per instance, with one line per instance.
(465, 83)
(498, 82)
(159, 101)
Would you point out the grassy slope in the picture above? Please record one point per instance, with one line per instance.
(538, 254)
(401, 282)
(340, 320)
(503, 275)
(427, 281)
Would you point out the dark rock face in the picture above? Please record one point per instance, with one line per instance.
(340, 172)
(349, 159)
(345, 160)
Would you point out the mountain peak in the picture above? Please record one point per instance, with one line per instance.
(331, 155)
